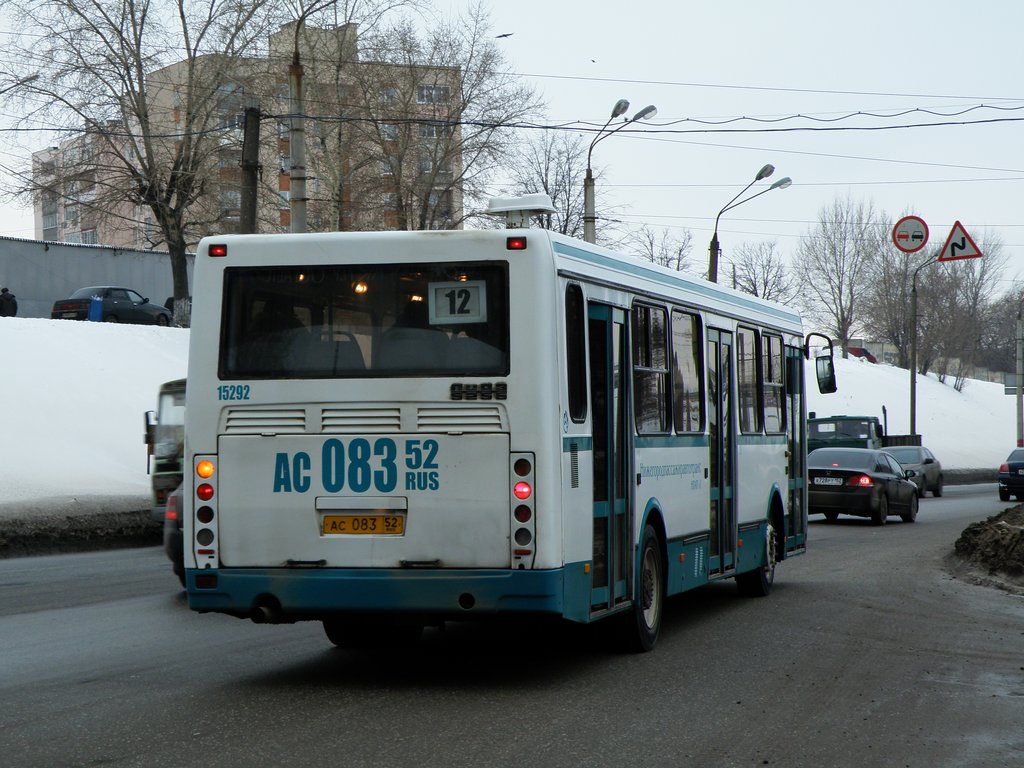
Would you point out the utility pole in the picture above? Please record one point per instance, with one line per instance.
(250, 170)
(297, 142)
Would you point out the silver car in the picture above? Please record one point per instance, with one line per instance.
(927, 469)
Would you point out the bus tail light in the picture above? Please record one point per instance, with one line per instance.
(204, 517)
(522, 499)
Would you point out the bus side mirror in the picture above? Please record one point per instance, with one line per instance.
(825, 369)
(824, 365)
(149, 435)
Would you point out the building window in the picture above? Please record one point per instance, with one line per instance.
(89, 236)
(230, 199)
(389, 96)
(389, 131)
(433, 94)
(434, 130)
(435, 166)
(650, 369)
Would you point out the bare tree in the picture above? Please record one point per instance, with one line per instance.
(660, 246)
(434, 111)
(998, 348)
(759, 270)
(146, 142)
(961, 294)
(552, 162)
(833, 263)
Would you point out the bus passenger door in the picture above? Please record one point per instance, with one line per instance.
(796, 449)
(722, 453)
(612, 562)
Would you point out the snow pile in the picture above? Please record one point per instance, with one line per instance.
(74, 395)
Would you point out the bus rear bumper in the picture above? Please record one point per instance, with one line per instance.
(288, 594)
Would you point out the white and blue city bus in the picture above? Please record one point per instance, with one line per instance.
(387, 430)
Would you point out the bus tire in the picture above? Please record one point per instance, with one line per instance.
(642, 625)
(360, 631)
(758, 583)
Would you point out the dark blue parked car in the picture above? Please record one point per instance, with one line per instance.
(118, 305)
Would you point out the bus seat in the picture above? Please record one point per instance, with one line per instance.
(420, 348)
(467, 352)
(348, 356)
(316, 356)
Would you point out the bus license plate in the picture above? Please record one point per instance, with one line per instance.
(828, 481)
(371, 525)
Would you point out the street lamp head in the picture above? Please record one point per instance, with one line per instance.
(647, 112)
(766, 171)
(782, 183)
(620, 107)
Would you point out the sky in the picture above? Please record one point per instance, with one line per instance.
(706, 63)
(701, 63)
(74, 395)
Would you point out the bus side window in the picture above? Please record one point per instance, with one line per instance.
(650, 370)
(747, 356)
(576, 352)
(687, 372)
(772, 384)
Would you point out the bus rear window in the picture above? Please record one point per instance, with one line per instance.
(355, 321)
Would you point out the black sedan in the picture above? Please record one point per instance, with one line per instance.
(110, 304)
(927, 469)
(174, 538)
(863, 482)
(1011, 476)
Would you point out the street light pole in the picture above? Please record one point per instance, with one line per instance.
(589, 214)
(1019, 393)
(714, 250)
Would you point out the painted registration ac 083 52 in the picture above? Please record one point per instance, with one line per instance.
(360, 465)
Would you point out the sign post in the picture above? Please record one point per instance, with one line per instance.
(910, 235)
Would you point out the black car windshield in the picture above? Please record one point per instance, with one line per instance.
(845, 458)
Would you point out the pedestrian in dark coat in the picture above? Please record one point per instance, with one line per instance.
(8, 303)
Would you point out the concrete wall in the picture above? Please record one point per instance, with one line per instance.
(39, 273)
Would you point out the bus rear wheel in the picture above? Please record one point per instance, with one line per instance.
(362, 631)
(641, 626)
(758, 583)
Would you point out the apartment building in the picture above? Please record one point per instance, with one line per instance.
(381, 146)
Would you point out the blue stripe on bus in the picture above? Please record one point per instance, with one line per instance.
(709, 290)
(582, 443)
(671, 441)
(319, 591)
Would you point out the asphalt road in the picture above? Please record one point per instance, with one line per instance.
(868, 653)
